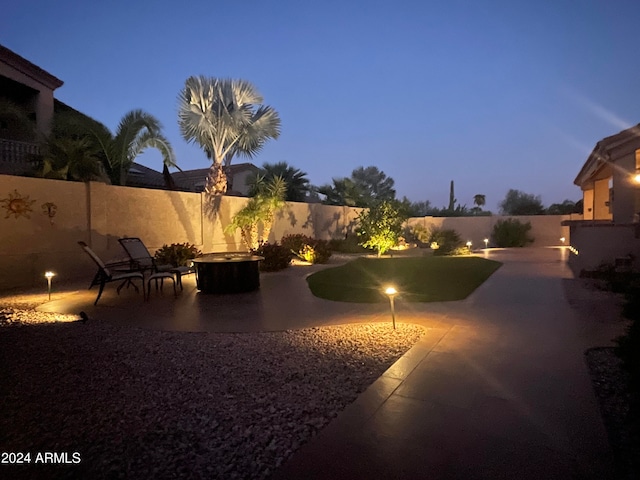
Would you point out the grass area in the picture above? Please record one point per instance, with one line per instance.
(418, 279)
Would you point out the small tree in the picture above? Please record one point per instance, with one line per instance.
(261, 208)
(519, 203)
(380, 226)
(511, 233)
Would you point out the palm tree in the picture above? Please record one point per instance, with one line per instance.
(225, 117)
(479, 200)
(136, 132)
(269, 197)
(295, 179)
(69, 158)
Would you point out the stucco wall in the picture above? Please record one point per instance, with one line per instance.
(599, 244)
(99, 214)
(545, 229)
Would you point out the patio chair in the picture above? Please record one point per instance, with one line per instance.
(142, 259)
(105, 273)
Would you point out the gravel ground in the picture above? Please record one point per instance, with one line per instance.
(611, 385)
(144, 404)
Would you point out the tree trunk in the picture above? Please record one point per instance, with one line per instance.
(217, 180)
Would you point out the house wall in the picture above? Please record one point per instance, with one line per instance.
(601, 208)
(624, 189)
(99, 214)
(599, 244)
(43, 101)
(587, 204)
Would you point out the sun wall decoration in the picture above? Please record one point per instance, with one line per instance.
(17, 205)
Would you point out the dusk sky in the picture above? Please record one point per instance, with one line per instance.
(493, 94)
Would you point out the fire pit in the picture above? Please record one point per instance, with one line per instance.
(219, 273)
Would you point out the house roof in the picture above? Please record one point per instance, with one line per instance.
(24, 66)
(601, 154)
(141, 176)
(186, 180)
(194, 180)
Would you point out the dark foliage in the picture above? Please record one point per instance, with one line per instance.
(309, 249)
(176, 254)
(276, 257)
(520, 203)
(628, 345)
(448, 241)
(349, 244)
(511, 233)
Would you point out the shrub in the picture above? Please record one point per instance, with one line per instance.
(447, 240)
(307, 248)
(628, 345)
(276, 257)
(381, 226)
(295, 242)
(349, 244)
(511, 233)
(418, 234)
(176, 254)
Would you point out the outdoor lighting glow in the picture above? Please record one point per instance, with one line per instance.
(636, 178)
(562, 239)
(573, 250)
(49, 275)
(486, 242)
(434, 246)
(392, 292)
(469, 244)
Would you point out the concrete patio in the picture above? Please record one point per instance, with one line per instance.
(497, 388)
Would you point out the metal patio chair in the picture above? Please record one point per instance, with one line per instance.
(142, 260)
(109, 273)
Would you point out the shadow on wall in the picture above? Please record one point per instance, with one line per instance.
(68, 261)
(184, 216)
(218, 215)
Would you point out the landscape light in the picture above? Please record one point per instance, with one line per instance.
(391, 292)
(49, 276)
(469, 245)
(486, 243)
(636, 178)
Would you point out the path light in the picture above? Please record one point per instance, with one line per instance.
(391, 292)
(49, 276)
(469, 245)
(486, 243)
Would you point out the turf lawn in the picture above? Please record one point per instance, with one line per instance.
(418, 279)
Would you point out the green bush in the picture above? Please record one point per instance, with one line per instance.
(511, 233)
(447, 240)
(295, 242)
(176, 254)
(349, 244)
(380, 226)
(276, 257)
(307, 248)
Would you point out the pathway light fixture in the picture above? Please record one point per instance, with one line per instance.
(391, 292)
(49, 275)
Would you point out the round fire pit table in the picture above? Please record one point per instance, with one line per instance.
(217, 273)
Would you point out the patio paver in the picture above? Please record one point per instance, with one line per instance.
(497, 388)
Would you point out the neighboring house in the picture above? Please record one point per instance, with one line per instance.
(237, 176)
(610, 229)
(145, 177)
(30, 87)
